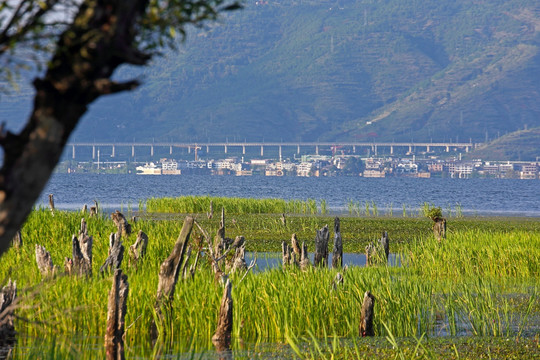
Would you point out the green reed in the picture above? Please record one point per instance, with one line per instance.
(481, 280)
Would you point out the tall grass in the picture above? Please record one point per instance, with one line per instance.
(478, 281)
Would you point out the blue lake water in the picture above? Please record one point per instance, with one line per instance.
(498, 197)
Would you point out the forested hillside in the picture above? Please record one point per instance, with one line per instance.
(336, 70)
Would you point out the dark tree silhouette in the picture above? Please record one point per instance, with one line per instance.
(87, 48)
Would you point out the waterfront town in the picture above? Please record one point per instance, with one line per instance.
(318, 166)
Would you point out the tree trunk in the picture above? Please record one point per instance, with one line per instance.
(100, 38)
(304, 258)
(321, 247)
(366, 319)
(337, 253)
(116, 312)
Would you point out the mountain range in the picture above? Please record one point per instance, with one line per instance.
(305, 70)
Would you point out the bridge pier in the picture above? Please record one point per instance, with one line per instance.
(391, 149)
(113, 151)
(317, 149)
(262, 150)
(243, 149)
(93, 152)
(151, 150)
(73, 152)
(298, 149)
(225, 149)
(170, 150)
(132, 151)
(280, 153)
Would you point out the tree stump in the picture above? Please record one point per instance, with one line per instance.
(116, 254)
(295, 247)
(210, 214)
(239, 260)
(222, 335)
(7, 302)
(285, 253)
(51, 203)
(170, 269)
(84, 209)
(81, 264)
(116, 312)
(138, 249)
(304, 258)
(337, 253)
(321, 247)
(44, 261)
(385, 244)
(124, 228)
(94, 209)
(17, 240)
(366, 316)
(84, 227)
(283, 220)
(439, 228)
(338, 280)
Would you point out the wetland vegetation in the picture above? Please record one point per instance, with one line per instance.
(472, 294)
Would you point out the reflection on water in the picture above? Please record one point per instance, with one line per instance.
(270, 260)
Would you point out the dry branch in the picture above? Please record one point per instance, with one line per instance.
(7, 301)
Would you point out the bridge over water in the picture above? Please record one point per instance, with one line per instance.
(148, 147)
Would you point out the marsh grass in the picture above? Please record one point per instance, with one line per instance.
(481, 281)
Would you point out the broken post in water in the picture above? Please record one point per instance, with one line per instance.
(366, 316)
(304, 258)
(337, 253)
(321, 247)
(116, 313)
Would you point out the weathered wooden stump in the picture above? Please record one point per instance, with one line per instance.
(283, 220)
(7, 303)
(210, 214)
(295, 246)
(304, 258)
(285, 253)
(44, 261)
(116, 312)
(366, 316)
(219, 239)
(84, 227)
(17, 240)
(170, 269)
(222, 335)
(116, 254)
(84, 209)
(51, 203)
(338, 280)
(385, 244)
(81, 263)
(124, 228)
(138, 249)
(439, 228)
(337, 253)
(239, 260)
(321, 247)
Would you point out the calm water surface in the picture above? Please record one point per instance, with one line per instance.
(476, 196)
